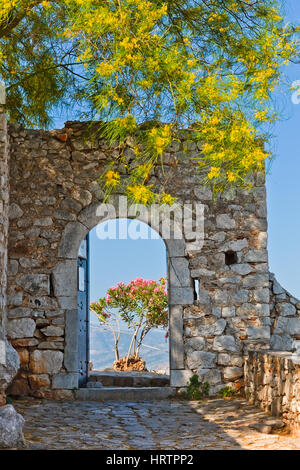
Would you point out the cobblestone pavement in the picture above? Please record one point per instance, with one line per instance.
(169, 424)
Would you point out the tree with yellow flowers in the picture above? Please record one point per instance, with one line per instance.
(146, 68)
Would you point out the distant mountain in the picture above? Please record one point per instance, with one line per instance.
(155, 350)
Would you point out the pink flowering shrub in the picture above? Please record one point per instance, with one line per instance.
(141, 304)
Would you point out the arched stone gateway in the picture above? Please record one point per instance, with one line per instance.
(180, 287)
(54, 196)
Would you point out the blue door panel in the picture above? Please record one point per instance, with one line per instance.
(83, 311)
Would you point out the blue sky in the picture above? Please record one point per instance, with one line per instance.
(112, 261)
(283, 183)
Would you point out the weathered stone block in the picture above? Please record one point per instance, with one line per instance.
(20, 328)
(213, 377)
(256, 280)
(176, 248)
(43, 222)
(52, 331)
(176, 337)
(180, 378)
(221, 297)
(11, 427)
(15, 299)
(287, 326)
(181, 295)
(286, 309)
(277, 288)
(240, 296)
(46, 362)
(204, 297)
(71, 354)
(34, 283)
(72, 236)
(259, 332)
(201, 360)
(203, 193)
(64, 280)
(207, 326)
(225, 343)
(65, 381)
(38, 381)
(195, 344)
(281, 343)
(233, 373)
(15, 211)
(228, 312)
(180, 275)
(223, 359)
(261, 295)
(13, 267)
(67, 303)
(19, 312)
(235, 245)
(70, 204)
(225, 221)
(9, 364)
(57, 345)
(256, 256)
(202, 272)
(242, 269)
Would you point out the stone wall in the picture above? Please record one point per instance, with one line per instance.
(11, 423)
(54, 197)
(9, 361)
(285, 318)
(272, 381)
(4, 200)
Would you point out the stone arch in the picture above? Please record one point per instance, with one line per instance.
(64, 274)
(52, 208)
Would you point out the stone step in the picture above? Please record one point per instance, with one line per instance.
(129, 379)
(124, 393)
(94, 385)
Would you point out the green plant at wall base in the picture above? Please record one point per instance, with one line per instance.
(195, 389)
(227, 392)
(8, 400)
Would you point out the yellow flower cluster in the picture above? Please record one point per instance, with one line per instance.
(167, 199)
(234, 148)
(214, 172)
(141, 194)
(112, 178)
(159, 138)
(105, 69)
(262, 115)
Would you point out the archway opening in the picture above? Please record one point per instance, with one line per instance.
(118, 251)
